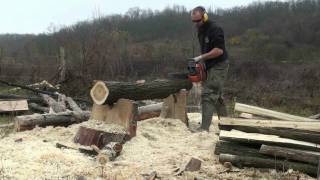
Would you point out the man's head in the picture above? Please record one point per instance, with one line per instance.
(199, 16)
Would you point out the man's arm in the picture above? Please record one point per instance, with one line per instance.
(215, 52)
(218, 38)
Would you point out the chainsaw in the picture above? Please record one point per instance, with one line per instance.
(196, 71)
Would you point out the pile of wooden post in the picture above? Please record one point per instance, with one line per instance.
(264, 138)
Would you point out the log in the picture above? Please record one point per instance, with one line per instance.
(28, 122)
(37, 107)
(62, 101)
(301, 135)
(53, 94)
(226, 147)
(9, 106)
(269, 113)
(73, 105)
(291, 154)
(317, 116)
(150, 108)
(108, 153)
(254, 138)
(18, 97)
(302, 125)
(258, 162)
(104, 92)
(149, 111)
(53, 104)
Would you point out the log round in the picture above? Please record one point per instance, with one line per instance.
(104, 92)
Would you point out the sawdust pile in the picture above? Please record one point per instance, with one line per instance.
(161, 145)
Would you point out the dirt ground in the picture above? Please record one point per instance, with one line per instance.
(161, 145)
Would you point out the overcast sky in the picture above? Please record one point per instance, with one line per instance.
(35, 16)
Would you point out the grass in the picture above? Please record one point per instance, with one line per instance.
(5, 119)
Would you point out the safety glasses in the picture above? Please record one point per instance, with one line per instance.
(197, 21)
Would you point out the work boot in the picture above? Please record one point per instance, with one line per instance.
(207, 112)
(221, 108)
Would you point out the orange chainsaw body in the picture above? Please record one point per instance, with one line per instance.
(197, 71)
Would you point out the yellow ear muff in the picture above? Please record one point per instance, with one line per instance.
(205, 17)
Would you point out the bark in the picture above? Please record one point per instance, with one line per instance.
(291, 154)
(150, 108)
(257, 162)
(226, 147)
(73, 105)
(105, 92)
(28, 122)
(37, 107)
(53, 104)
(53, 94)
(37, 100)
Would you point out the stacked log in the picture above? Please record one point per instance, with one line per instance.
(269, 139)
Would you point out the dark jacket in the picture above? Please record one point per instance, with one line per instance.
(211, 36)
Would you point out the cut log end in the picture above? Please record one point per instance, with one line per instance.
(99, 93)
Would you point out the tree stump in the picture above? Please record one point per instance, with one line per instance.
(123, 113)
(174, 107)
(89, 136)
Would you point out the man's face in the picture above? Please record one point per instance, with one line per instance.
(196, 18)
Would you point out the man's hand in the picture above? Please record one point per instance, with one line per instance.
(198, 58)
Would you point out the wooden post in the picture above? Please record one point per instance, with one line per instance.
(123, 113)
(174, 106)
(269, 113)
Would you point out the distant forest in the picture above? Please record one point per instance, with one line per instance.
(274, 51)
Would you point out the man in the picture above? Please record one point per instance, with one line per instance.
(215, 57)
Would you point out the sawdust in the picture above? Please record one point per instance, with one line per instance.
(161, 145)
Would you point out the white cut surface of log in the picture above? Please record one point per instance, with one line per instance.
(99, 92)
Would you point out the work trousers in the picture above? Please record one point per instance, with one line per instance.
(212, 94)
